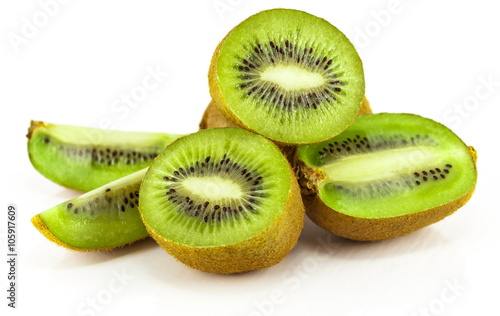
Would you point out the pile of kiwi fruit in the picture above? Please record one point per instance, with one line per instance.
(288, 133)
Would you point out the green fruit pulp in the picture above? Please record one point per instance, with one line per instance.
(85, 158)
(387, 165)
(102, 218)
(269, 48)
(238, 177)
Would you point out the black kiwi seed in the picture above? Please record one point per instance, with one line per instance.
(70, 205)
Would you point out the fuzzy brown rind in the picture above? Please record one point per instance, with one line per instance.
(213, 118)
(42, 228)
(34, 126)
(365, 107)
(373, 229)
(262, 251)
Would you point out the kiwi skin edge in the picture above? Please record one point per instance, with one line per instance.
(374, 229)
(264, 250)
(40, 225)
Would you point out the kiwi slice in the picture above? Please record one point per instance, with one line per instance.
(223, 201)
(386, 176)
(102, 219)
(84, 158)
(288, 75)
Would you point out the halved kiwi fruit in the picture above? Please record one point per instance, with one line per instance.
(102, 219)
(386, 176)
(288, 75)
(84, 158)
(223, 201)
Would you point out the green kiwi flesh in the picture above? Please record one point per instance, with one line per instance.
(84, 158)
(101, 219)
(222, 200)
(288, 75)
(388, 166)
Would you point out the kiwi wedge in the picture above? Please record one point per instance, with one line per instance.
(287, 75)
(223, 200)
(102, 219)
(386, 176)
(84, 158)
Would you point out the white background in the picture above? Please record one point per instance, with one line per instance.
(439, 59)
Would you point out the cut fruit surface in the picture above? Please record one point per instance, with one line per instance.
(389, 166)
(288, 75)
(102, 219)
(223, 200)
(86, 158)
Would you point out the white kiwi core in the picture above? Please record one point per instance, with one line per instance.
(212, 188)
(292, 78)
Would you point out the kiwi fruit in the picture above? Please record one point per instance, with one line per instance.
(213, 118)
(101, 219)
(222, 200)
(84, 158)
(287, 75)
(387, 175)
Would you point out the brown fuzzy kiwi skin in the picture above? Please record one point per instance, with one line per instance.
(365, 107)
(262, 251)
(373, 229)
(40, 225)
(213, 118)
(35, 125)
